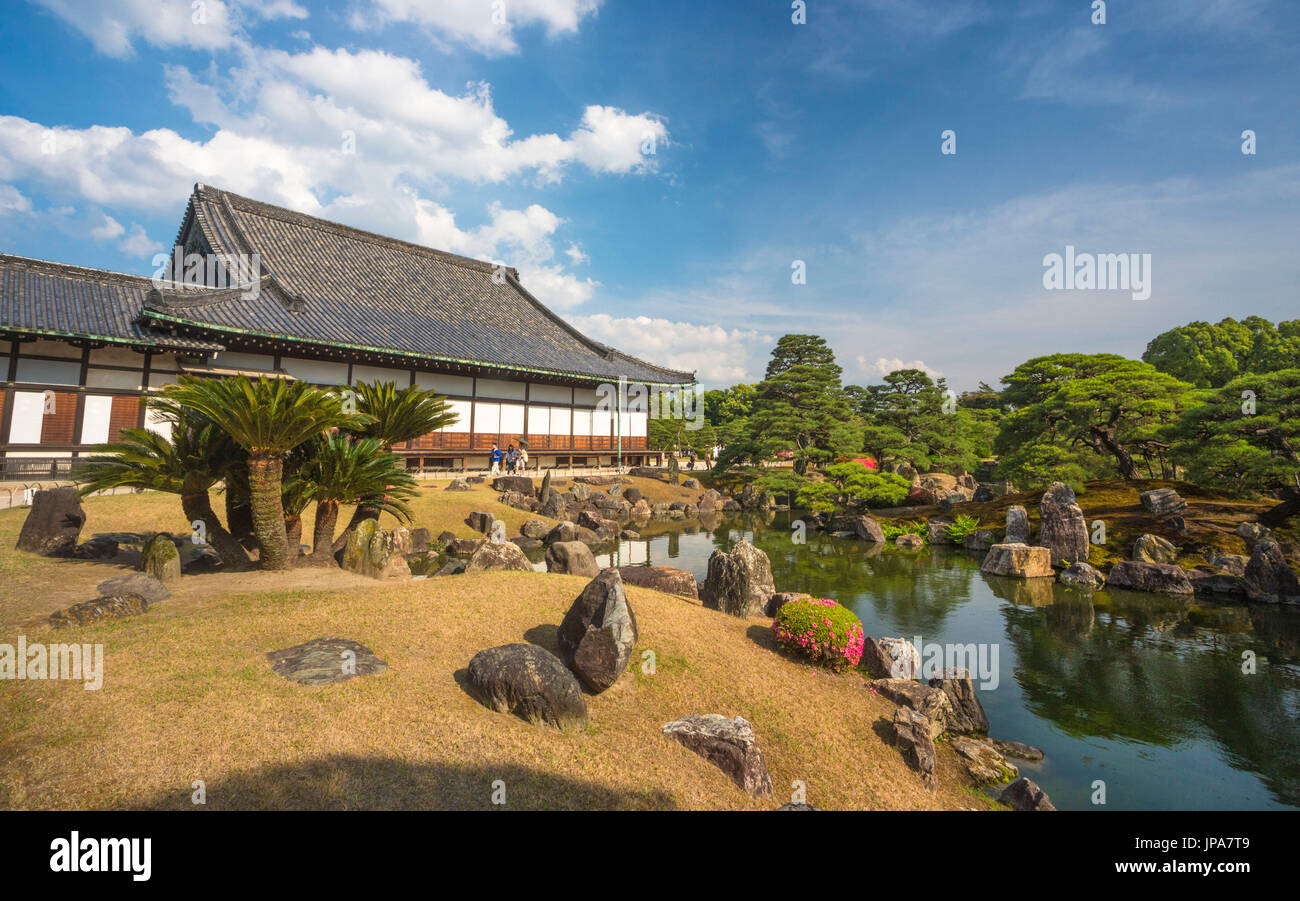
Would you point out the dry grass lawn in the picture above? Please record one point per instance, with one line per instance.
(189, 695)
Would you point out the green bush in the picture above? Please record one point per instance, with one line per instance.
(893, 529)
(962, 528)
(821, 630)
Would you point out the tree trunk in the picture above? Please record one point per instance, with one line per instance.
(293, 532)
(1289, 507)
(359, 515)
(239, 514)
(1105, 440)
(327, 515)
(198, 506)
(264, 488)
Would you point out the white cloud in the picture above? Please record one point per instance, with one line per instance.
(13, 201)
(717, 355)
(577, 255)
(488, 27)
(884, 366)
(138, 244)
(108, 229)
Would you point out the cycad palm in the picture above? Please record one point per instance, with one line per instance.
(268, 418)
(341, 469)
(188, 463)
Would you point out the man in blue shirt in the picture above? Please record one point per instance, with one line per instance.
(495, 457)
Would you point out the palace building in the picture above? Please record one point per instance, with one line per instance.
(328, 304)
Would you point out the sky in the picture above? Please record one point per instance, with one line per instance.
(688, 180)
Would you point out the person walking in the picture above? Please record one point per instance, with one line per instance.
(512, 457)
(495, 457)
(523, 459)
(691, 458)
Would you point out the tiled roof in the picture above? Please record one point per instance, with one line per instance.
(362, 290)
(57, 300)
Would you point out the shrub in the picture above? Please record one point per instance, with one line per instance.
(893, 529)
(821, 630)
(962, 528)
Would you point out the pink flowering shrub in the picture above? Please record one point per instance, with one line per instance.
(821, 630)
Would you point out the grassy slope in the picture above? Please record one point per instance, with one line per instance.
(189, 695)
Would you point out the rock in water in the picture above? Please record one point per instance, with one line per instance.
(598, 634)
(912, 735)
(143, 584)
(983, 761)
(1268, 578)
(372, 551)
(1162, 502)
(967, 715)
(531, 682)
(1154, 549)
(52, 527)
(739, 583)
(661, 578)
(1137, 576)
(161, 559)
(936, 531)
(728, 744)
(323, 661)
(493, 556)
(909, 542)
(571, 557)
(1083, 576)
(1017, 525)
(109, 607)
(1024, 794)
(1062, 528)
(867, 529)
(1017, 560)
(979, 540)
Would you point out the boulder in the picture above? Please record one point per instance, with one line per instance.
(581, 491)
(661, 578)
(563, 531)
(710, 501)
(1017, 526)
(114, 606)
(967, 715)
(1224, 584)
(728, 744)
(96, 549)
(371, 551)
(867, 529)
(754, 498)
(632, 495)
(571, 557)
(54, 523)
(1082, 575)
(535, 528)
(458, 485)
(936, 531)
(143, 584)
(740, 582)
(1230, 563)
(629, 535)
(780, 599)
(492, 556)
(641, 510)
(1154, 549)
(598, 635)
(1268, 578)
(1062, 528)
(1137, 576)
(692, 483)
(1252, 533)
(647, 472)
(521, 484)
(1162, 502)
(599, 481)
(451, 568)
(913, 735)
(909, 542)
(924, 699)
(1017, 749)
(1024, 794)
(421, 539)
(519, 501)
(979, 540)
(531, 682)
(890, 658)
(161, 560)
(481, 522)
(524, 543)
(982, 760)
(464, 547)
(1020, 561)
(553, 505)
(324, 661)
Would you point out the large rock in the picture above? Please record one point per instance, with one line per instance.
(581, 491)
(1017, 525)
(1062, 528)
(1083, 576)
(890, 658)
(521, 484)
(563, 531)
(780, 599)
(493, 556)
(143, 584)
(114, 606)
(1217, 583)
(982, 760)
(979, 540)
(52, 527)
(161, 560)
(324, 661)
(867, 529)
(913, 735)
(553, 505)
(372, 551)
(535, 528)
(740, 582)
(1162, 502)
(728, 744)
(598, 634)
(967, 715)
(925, 699)
(571, 557)
(909, 542)
(710, 501)
(936, 531)
(481, 521)
(1137, 576)
(1024, 794)
(1019, 561)
(754, 498)
(458, 485)
(661, 578)
(1154, 549)
(1252, 533)
(531, 682)
(1268, 578)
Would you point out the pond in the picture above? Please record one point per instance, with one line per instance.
(1144, 692)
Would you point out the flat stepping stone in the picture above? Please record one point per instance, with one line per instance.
(324, 661)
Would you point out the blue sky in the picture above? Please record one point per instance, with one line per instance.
(518, 131)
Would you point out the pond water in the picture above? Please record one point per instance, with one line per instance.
(1144, 692)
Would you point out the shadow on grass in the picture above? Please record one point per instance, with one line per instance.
(352, 782)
